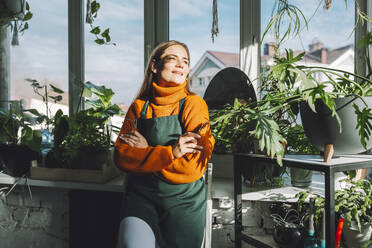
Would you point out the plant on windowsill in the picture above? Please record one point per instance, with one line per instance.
(49, 94)
(19, 143)
(83, 140)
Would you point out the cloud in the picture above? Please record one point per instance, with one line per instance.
(131, 10)
(187, 9)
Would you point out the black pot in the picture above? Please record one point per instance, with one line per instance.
(321, 128)
(83, 159)
(258, 172)
(16, 159)
(89, 160)
(288, 236)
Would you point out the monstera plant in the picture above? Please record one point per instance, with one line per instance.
(288, 85)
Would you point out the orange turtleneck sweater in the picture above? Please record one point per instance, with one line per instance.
(159, 159)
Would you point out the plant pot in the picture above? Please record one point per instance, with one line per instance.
(16, 159)
(84, 159)
(353, 238)
(288, 236)
(259, 172)
(321, 128)
(13, 9)
(89, 160)
(301, 177)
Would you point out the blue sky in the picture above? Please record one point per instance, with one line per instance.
(42, 53)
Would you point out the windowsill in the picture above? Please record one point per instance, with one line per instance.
(114, 185)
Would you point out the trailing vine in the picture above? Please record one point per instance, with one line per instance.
(102, 37)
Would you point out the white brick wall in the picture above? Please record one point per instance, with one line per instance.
(39, 222)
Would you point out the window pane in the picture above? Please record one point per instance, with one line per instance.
(42, 54)
(191, 23)
(117, 67)
(328, 41)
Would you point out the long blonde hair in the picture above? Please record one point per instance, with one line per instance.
(145, 92)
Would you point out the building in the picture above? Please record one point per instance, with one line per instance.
(211, 62)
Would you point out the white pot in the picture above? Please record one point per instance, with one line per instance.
(339, 183)
(353, 238)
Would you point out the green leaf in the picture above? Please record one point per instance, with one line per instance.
(96, 30)
(34, 143)
(364, 120)
(27, 133)
(105, 33)
(94, 7)
(102, 92)
(108, 38)
(56, 90)
(99, 41)
(96, 103)
(27, 6)
(31, 80)
(33, 111)
(56, 98)
(28, 16)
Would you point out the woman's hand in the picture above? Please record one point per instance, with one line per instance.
(186, 143)
(134, 139)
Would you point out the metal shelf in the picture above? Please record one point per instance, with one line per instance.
(310, 162)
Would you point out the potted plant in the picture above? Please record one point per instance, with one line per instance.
(353, 203)
(234, 125)
(19, 143)
(288, 84)
(82, 141)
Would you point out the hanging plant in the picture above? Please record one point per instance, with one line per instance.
(16, 14)
(214, 30)
(102, 37)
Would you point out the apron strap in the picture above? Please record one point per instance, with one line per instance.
(180, 109)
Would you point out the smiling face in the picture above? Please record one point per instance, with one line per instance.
(174, 65)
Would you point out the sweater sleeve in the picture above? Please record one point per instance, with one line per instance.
(129, 158)
(191, 167)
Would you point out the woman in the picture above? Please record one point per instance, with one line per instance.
(166, 156)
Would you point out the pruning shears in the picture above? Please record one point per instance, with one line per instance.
(201, 127)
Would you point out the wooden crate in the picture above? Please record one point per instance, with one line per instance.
(76, 175)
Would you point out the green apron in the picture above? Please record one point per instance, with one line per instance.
(175, 212)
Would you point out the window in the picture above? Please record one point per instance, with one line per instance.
(42, 54)
(201, 81)
(328, 41)
(118, 67)
(191, 22)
